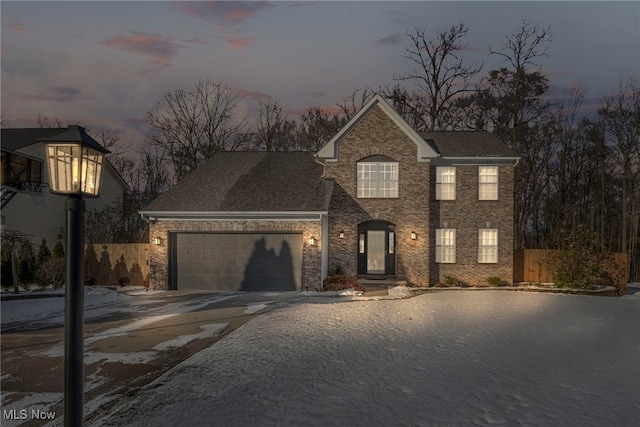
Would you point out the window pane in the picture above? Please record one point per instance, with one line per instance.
(488, 245)
(445, 183)
(488, 183)
(377, 179)
(446, 245)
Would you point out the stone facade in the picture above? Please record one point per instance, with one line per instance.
(377, 134)
(159, 254)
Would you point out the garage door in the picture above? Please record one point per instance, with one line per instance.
(236, 261)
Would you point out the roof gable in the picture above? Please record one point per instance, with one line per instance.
(330, 150)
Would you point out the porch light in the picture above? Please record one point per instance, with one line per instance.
(414, 236)
(341, 235)
(157, 241)
(312, 241)
(74, 161)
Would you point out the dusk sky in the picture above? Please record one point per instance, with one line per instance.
(105, 64)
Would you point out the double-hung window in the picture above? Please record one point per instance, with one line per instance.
(446, 183)
(488, 245)
(488, 183)
(446, 245)
(377, 179)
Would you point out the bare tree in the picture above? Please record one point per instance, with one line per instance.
(317, 127)
(274, 130)
(192, 125)
(620, 116)
(353, 103)
(440, 75)
(523, 85)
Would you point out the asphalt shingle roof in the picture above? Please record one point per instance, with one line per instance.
(17, 138)
(249, 181)
(467, 144)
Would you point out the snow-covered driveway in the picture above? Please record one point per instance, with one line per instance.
(449, 358)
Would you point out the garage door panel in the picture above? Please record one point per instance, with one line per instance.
(237, 261)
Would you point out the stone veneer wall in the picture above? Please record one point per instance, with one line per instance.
(377, 134)
(159, 254)
(467, 215)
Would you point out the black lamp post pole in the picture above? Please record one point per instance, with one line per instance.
(74, 313)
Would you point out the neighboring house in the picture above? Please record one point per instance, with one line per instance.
(24, 168)
(378, 200)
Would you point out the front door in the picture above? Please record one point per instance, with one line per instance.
(376, 248)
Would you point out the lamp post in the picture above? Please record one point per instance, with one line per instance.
(74, 160)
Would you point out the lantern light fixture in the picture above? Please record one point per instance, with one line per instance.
(312, 241)
(75, 163)
(414, 236)
(341, 235)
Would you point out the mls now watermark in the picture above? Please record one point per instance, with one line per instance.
(24, 414)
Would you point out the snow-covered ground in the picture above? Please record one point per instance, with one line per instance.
(439, 359)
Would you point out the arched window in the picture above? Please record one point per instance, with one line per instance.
(377, 177)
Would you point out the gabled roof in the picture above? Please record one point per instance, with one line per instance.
(247, 182)
(468, 144)
(329, 151)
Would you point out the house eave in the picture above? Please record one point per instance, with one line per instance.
(475, 160)
(233, 216)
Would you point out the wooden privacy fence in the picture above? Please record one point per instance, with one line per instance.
(117, 264)
(529, 266)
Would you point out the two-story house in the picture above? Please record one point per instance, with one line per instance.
(27, 204)
(379, 200)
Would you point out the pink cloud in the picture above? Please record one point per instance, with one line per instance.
(317, 95)
(58, 94)
(239, 42)
(160, 48)
(256, 96)
(18, 27)
(226, 12)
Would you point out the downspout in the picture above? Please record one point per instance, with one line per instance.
(315, 158)
(324, 238)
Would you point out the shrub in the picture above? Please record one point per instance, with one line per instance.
(58, 249)
(450, 280)
(26, 263)
(338, 270)
(43, 253)
(340, 282)
(51, 272)
(578, 269)
(495, 281)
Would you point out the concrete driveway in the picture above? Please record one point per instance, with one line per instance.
(124, 349)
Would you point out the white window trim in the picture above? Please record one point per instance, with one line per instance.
(488, 184)
(483, 247)
(393, 183)
(440, 246)
(440, 184)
